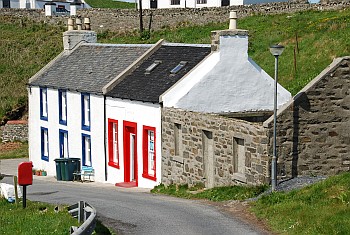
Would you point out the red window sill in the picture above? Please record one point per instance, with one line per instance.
(113, 164)
(144, 175)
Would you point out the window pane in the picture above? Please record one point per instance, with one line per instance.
(151, 153)
(115, 143)
(64, 106)
(44, 102)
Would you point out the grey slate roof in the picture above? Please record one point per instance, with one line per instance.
(148, 87)
(90, 67)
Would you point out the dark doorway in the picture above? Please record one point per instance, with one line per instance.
(6, 3)
(225, 3)
(154, 3)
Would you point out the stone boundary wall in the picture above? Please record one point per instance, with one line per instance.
(313, 130)
(15, 130)
(188, 166)
(126, 20)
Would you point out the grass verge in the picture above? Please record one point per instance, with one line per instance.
(110, 4)
(214, 194)
(13, 150)
(37, 218)
(322, 208)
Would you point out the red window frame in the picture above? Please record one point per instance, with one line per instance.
(146, 174)
(111, 161)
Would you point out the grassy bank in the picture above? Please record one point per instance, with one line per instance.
(13, 150)
(37, 218)
(110, 4)
(323, 208)
(25, 47)
(317, 37)
(214, 194)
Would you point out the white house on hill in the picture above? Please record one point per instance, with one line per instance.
(153, 4)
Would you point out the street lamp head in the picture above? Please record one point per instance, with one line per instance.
(276, 50)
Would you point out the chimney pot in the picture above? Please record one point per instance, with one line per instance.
(78, 22)
(87, 23)
(70, 24)
(233, 20)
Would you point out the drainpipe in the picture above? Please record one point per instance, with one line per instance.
(105, 135)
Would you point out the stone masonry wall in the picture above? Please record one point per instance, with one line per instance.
(15, 131)
(188, 167)
(126, 20)
(313, 132)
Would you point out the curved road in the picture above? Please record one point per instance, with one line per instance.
(136, 211)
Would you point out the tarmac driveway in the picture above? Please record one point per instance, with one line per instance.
(134, 211)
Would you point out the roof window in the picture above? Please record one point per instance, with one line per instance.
(178, 67)
(153, 66)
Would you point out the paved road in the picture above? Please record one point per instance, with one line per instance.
(135, 211)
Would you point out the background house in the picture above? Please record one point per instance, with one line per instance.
(153, 4)
(40, 4)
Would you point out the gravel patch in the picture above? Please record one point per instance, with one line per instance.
(291, 184)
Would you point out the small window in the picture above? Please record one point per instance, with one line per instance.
(177, 137)
(85, 111)
(63, 139)
(174, 2)
(44, 144)
(43, 104)
(62, 99)
(86, 150)
(178, 67)
(113, 149)
(153, 66)
(149, 153)
(239, 155)
(201, 1)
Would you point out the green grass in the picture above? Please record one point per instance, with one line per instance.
(110, 4)
(33, 220)
(20, 152)
(25, 46)
(323, 208)
(214, 194)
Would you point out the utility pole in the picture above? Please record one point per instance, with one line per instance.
(141, 21)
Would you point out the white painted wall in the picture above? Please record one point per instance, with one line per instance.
(73, 127)
(227, 81)
(188, 4)
(143, 114)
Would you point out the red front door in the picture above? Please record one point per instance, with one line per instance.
(130, 152)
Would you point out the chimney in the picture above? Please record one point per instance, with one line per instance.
(72, 38)
(230, 38)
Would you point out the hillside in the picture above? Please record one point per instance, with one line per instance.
(317, 37)
(110, 4)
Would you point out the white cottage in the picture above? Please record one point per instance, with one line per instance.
(133, 112)
(67, 105)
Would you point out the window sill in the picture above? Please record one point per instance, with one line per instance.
(113, 164)
(240, 177)
(64, 123)
(43, 118)
(177, 159)
(45, 158)
(144, 175)
(85, 128)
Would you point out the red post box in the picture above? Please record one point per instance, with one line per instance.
(25, 174)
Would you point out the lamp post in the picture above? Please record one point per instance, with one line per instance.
(276, 51)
